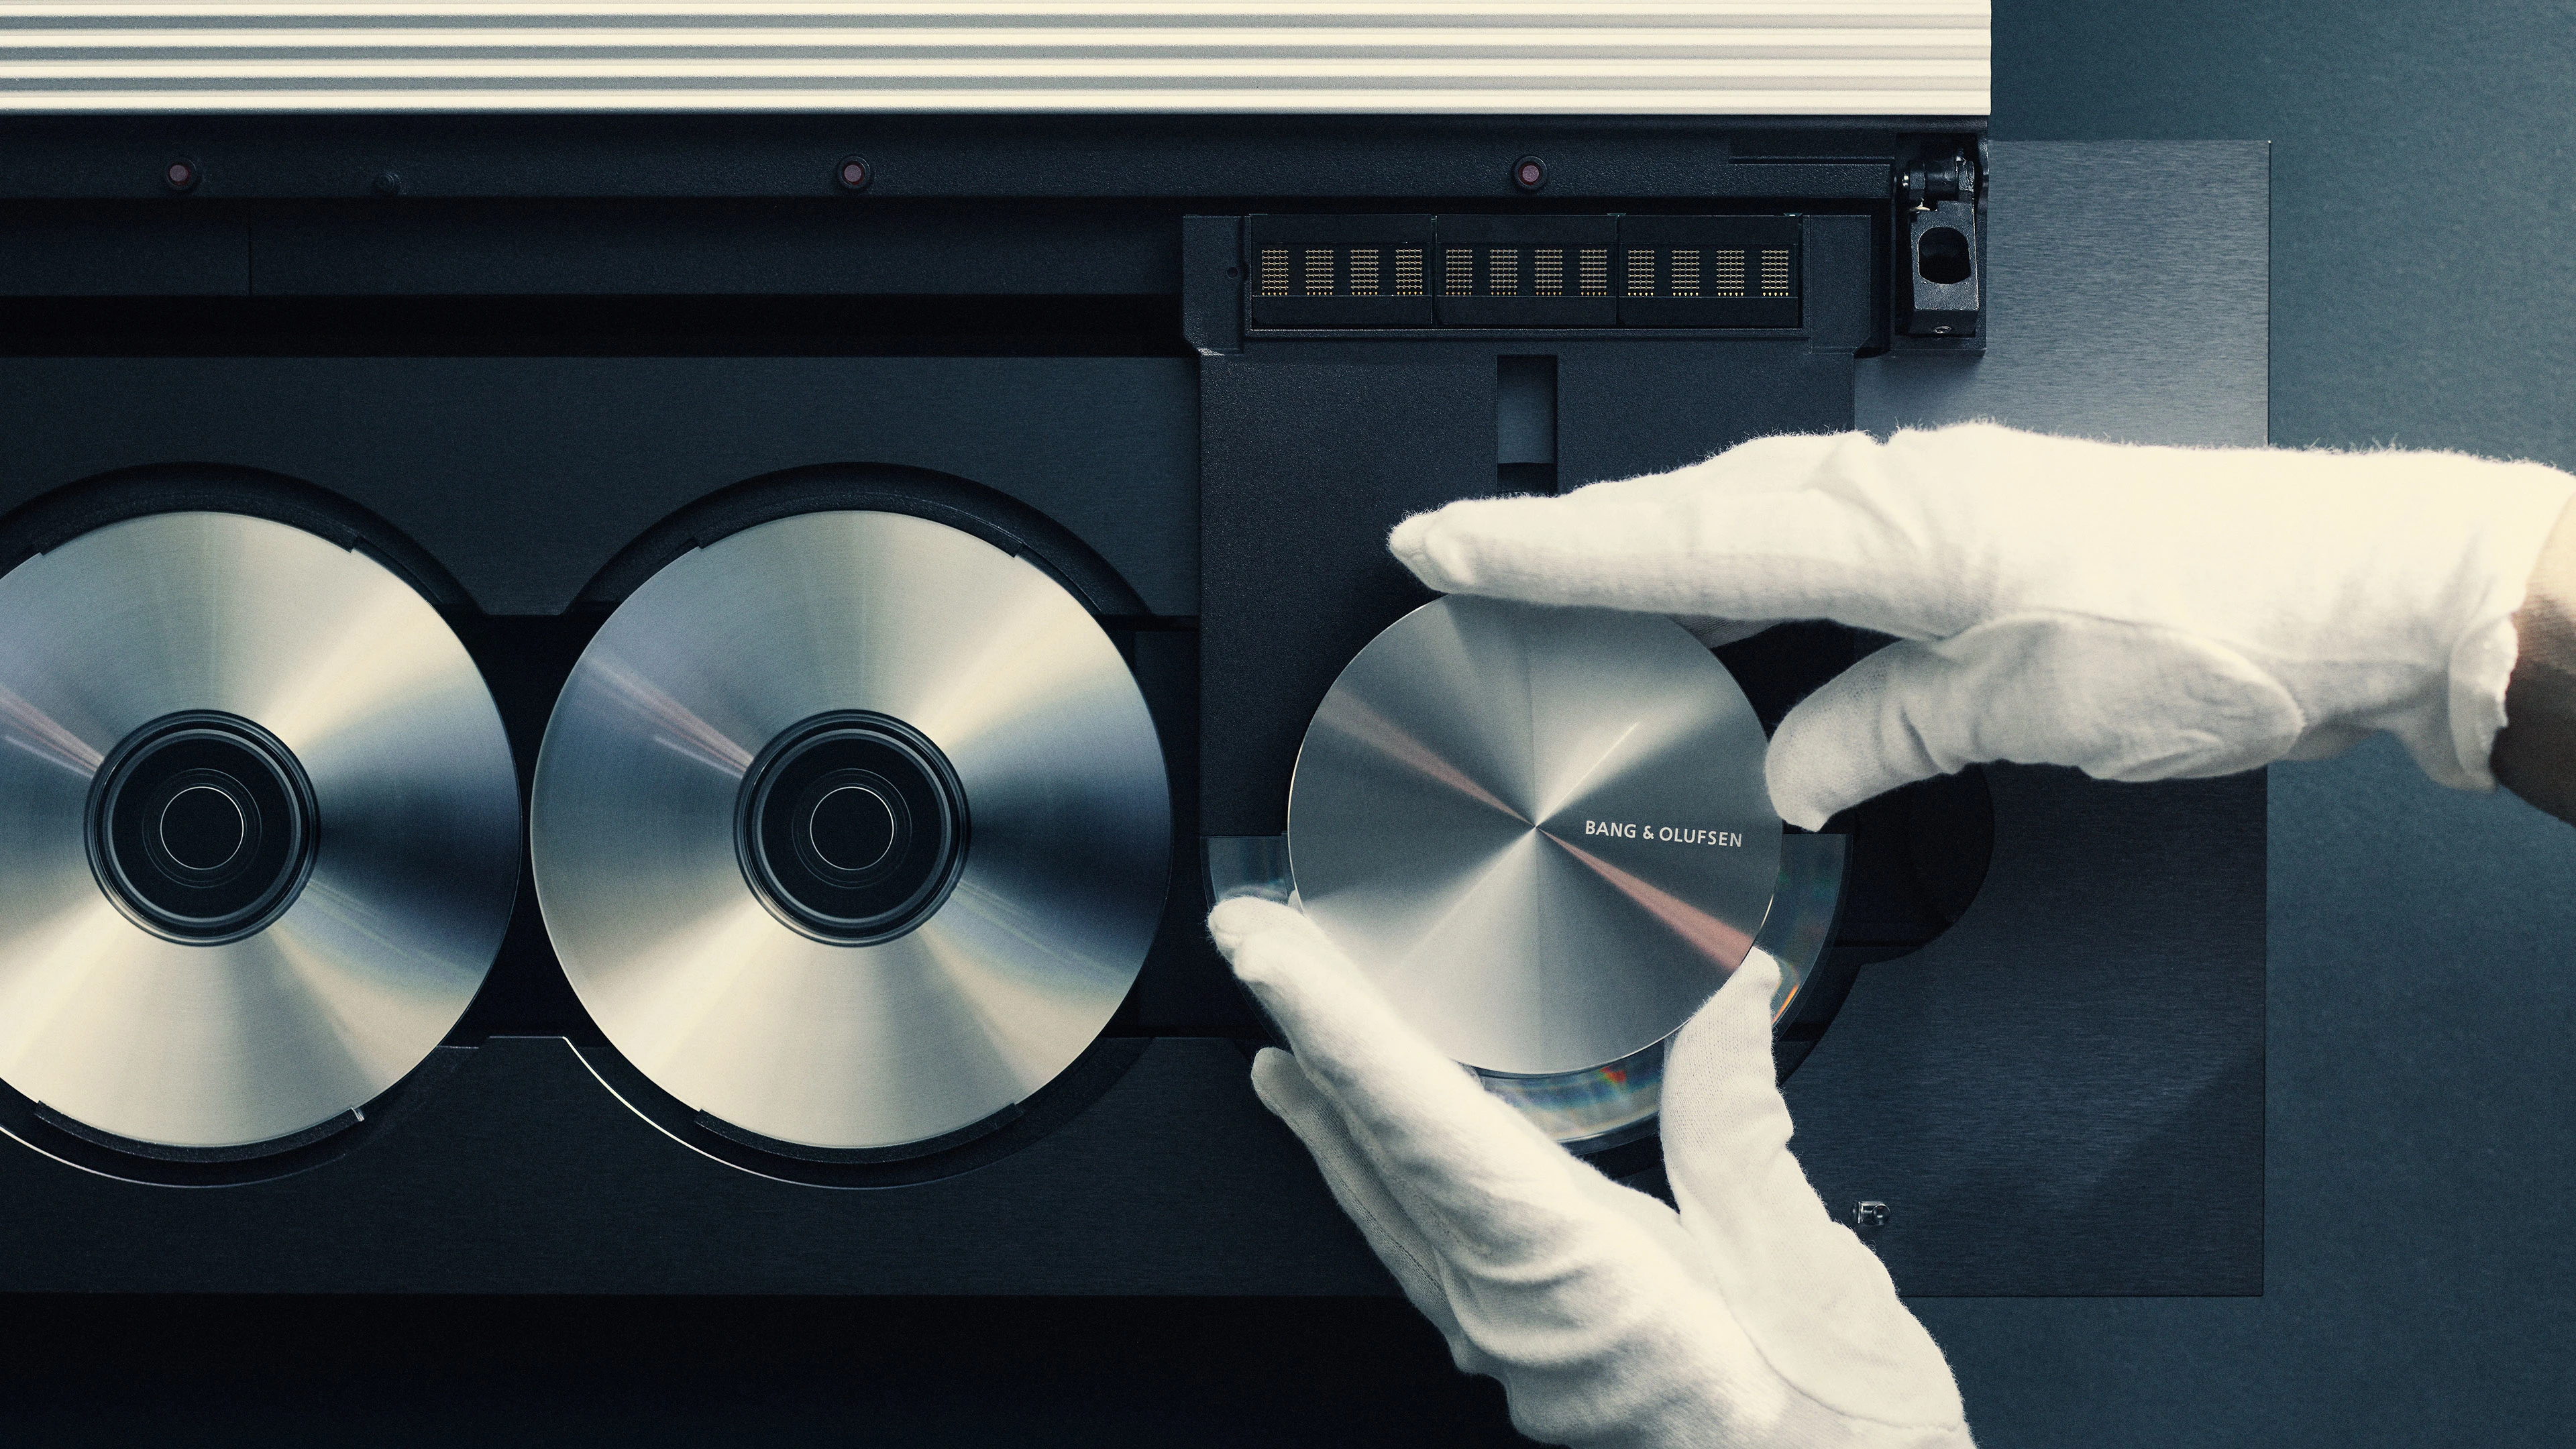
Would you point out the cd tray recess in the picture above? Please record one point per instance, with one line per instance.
(569, 353)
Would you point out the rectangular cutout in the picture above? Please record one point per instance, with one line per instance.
(1525, 424)
(1487, 271)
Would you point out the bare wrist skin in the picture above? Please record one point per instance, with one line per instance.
(2535, 753)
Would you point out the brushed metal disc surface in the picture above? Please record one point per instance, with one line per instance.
(1543, 831)
(415, 865)
(699, 982)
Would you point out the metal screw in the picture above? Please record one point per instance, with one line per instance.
(1868, 1215)
(853, 173)
(182, 175)
(389, 183)
(1529, 173)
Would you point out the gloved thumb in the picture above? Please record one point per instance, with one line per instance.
(2117, 701)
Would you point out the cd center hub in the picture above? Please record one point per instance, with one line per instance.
(854, 826)
(206, 822)
(202, 827)
(851, 827)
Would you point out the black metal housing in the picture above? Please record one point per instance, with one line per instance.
(561, 350)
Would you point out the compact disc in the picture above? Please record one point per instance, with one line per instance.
(1543, 832)
(258, 830)
(851, 830)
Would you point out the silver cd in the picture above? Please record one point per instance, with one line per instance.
(1544, 832)
(851, 830)
(258, 829)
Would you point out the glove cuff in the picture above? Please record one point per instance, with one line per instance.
(2482, 663)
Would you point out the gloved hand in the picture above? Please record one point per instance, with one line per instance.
(1748, 1318)
(2140, 613)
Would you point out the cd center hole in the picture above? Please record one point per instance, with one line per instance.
(202, 827)
(852, 828)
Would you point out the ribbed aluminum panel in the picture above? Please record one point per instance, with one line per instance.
(1787, 57)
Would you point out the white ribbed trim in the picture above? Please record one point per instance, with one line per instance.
(1788, 57)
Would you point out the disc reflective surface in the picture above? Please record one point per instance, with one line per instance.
(832, 976)
(300, 749)
(1543, 831)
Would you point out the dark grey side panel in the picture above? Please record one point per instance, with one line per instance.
(2064, 1095)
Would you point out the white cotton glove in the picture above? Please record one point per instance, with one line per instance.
(2139, 613)
(1748, 1318)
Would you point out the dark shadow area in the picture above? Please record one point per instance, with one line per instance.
(592, 326)
(1037, 1372)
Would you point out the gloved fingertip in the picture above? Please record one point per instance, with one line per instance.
(1794, 797)
(1237, 919)
(1267, 1065)
(1815, 771)
(1733, 1029)
(1281, 1084)
(1755, 980)
(1280, 954)
(1806, 816)
(1870, 729)
(1411, 543)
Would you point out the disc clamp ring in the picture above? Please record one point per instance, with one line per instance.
(851, 827)
(202, 827)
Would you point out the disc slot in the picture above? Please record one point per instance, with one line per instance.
(1090, 1076)
(165, 1152)
(105, 1154)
